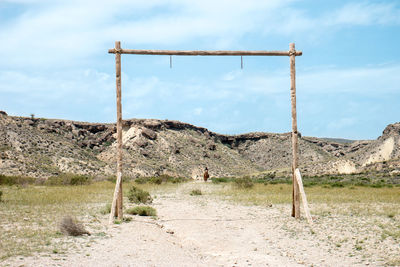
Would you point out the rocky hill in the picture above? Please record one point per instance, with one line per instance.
(45, 147)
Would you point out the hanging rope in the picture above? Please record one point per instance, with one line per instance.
(170, 62)
(241, 62)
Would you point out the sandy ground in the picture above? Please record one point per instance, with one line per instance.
(208, 231)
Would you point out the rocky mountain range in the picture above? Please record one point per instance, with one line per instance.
(40, 147)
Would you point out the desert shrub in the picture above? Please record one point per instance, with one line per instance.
(70, 226)
(378, 185)
(337, 184)
(69, 179)
(107, 143)
(142, 211)
(111, 179)
(156, 180)
(309, 183)
(217, 180)
(137, 195)
(16, 180)
(270, 175)
(127, 219)
(160, 179)
(177, 180)
(1, 194)
(106, 209)
(196, 192)
(244, 182)
(280, 180)
(141, 180)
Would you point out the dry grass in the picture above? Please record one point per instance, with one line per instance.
(70, 226)
(282, 193)
(362, 220)
(142, 211)
(30, 215)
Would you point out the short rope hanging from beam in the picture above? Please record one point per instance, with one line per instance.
(241, 62)
(170, 62)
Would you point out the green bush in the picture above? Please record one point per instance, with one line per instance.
(69, 179)
(177, 180)
(270, 175)
(111, 179)
(160, 179)
(142, 211)
(378, 185)
(196, 192)
(217, 180)
(141, 180)
(16, 180)
(244, 182)
(1, 193)
(337, 184)
(156, 180)
(106, 209)
(137, 195)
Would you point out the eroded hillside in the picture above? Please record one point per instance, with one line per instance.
(45, 147)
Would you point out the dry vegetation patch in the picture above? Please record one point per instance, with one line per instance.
(354, 220)
(351, 221)
(71, 226)
(30, 214)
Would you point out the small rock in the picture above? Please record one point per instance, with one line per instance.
(141, 142)
(211, 146)
(169, 231)
(150, 134)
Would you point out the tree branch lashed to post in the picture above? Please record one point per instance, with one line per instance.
(295, 191)
(116, 208)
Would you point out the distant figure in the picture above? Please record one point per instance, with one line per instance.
(206, 176)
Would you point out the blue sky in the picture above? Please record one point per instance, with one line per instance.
(54, 63)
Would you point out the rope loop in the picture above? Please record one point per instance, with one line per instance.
(117, 51)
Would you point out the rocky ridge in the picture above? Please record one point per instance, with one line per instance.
(45, 147)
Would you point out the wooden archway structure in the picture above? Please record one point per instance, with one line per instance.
(116, 207)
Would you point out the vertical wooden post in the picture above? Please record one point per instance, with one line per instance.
(116, 207)
(295, 191)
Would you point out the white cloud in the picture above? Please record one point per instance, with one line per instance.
(341, 123)
(297, 22)
(365, 13)
(231, 75)
(88, 93)
(368, 80)
(197, 111)
(67, 32)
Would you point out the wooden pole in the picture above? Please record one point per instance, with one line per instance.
(116, 207)
(295, 191)
(303, 196)
(203, 52)
(292, 53)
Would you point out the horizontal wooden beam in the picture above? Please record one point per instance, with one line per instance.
(203, 52)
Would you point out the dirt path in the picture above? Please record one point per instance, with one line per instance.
(205, 231)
